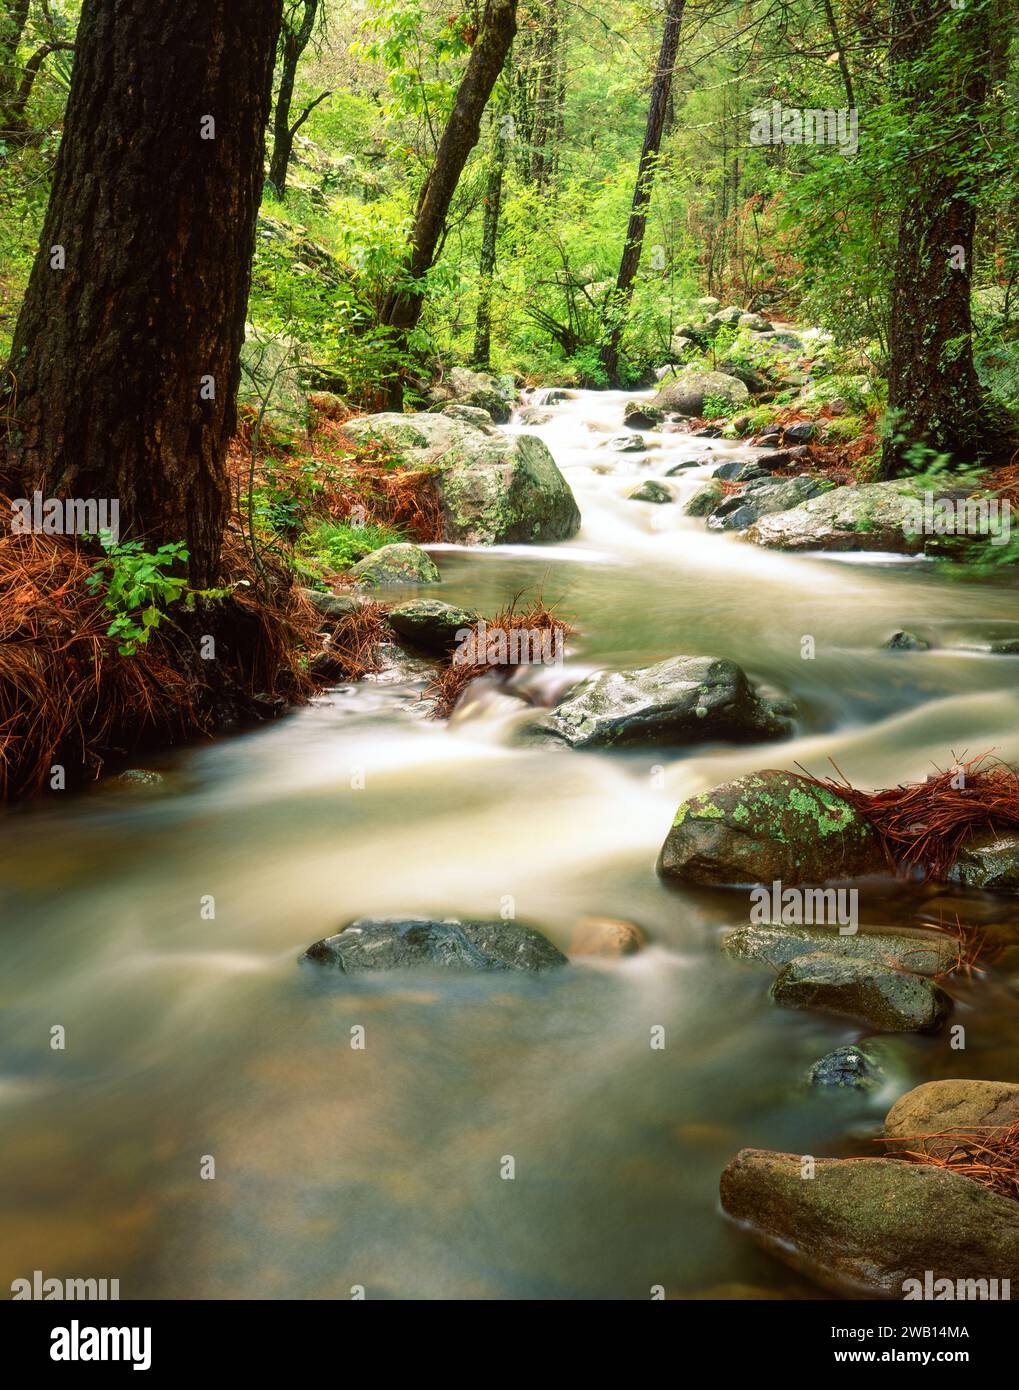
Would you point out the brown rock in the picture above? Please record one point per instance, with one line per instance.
(940, 1105)
(605, 936)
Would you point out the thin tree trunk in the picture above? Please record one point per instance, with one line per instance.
(402, 309)
(125, 362)
(489, 240)
(294, 42)
(661, 89)
(840, 51)
(934, 396)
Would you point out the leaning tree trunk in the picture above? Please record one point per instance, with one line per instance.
(489, 242)
(125, 362)
(402, 309)
(934, 397)
(661, 89)
(294, 42)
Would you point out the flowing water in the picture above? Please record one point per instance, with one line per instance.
(190, 1036)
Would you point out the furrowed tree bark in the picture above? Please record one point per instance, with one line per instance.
(402, 309)
(489, 241)
(125, 364)
(934, 397)
(293, 42)
(661, 89)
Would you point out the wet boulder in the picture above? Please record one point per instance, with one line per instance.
(869, 516)
(704, 500)
(641, 415)
(494, 394)
(989, 861)
(775, 944)
(885, 999)
(686, 392)
(493, 488)
(767, 826)
(687, 699)
(868, 1226)
(394, 564)
(951, 1105)
(650, 491)
(741, 511)
(431, 624)
(454, 944)
(903, 641)
(845, 1069)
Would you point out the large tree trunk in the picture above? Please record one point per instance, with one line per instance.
(125, 363)
(402, 309)
(293, 43)
(661, 89)
(489, 242)
(934, 397)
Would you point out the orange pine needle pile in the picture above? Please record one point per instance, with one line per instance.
(540, 625)
(989, 1154)
(924, 824)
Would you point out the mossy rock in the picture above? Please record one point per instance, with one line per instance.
(704, 500)
(394, 564)
(766, 826)
(451, 944)
(885, 999)
(775, 944)
(651, 491)
(431, 624)
(865, 1226)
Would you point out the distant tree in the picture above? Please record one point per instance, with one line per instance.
(299, 18)
(17, 79)
(940, 64)
(402, 309)
(658, 107)
(501, 128)
(125, 361)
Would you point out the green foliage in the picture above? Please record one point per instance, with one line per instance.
(138, 587)
(338, 545)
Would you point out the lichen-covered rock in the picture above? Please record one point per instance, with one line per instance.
(742, 510)
(494, 488)
(394, 564)
(686, 699)
(453, 943)
(869, 516)
(868, 1225)
(686, 392)
(704, 500)
(473, 414)
(651, 491)
(920, 953)
(989, 861)
(641, 415)
(767, 826)
(430, 623)
(880, 996)
(950, 1105)
(846, 1069)
(496, 395)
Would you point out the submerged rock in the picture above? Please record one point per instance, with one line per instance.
(990, 862)
(493, 488)
(430, 623)
(880, 996)
(687, 699)
(947, 1105)
(625, 444)
(459, 944)
(394, 564)
(847, 1068)
(868, 1225)
(139, 777)
(650, 491)
(903, 641)
(605, 936)
(920, 953)
(767, 826)
(686, 392)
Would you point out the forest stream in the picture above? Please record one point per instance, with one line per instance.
(336, 1167)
